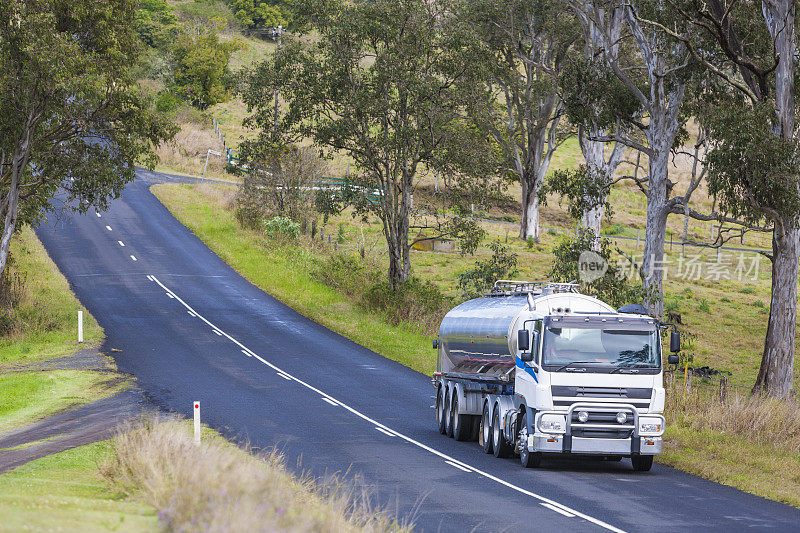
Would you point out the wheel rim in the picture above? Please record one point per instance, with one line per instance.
(487, 426)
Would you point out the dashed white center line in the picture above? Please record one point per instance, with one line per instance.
(98, 214)
(134, 258)
(121, 243)
(108, 228)
(451, 463)
(389, 433)
(558, 510)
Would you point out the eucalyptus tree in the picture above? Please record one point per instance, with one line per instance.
(655, 74)
(72, 119)
(526, 44)
(382, 83)
(750, 48)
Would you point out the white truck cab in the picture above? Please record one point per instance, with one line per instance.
(537, 368)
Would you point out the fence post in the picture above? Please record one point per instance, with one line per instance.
(197, 423)
(80, 326)
(723, 389)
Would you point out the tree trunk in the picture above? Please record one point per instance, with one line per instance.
(656, 228)
(776, 374)
(529, 226)
(397, 229)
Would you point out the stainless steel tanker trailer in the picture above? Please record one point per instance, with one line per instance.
(537, 369)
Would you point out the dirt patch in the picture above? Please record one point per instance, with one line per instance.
(89, 359)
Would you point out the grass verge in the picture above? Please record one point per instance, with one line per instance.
(30, 396)
(698, 440)
(219, 487)
(65, 492)
(44, 317)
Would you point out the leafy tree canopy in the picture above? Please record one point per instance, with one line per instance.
(202, 67)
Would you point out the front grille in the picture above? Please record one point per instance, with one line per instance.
(564, 396)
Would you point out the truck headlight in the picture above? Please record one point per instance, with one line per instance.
(651, 426)
(553, 423)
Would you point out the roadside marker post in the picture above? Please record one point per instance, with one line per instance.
(208, 154)
(80, 326)
(197, 423)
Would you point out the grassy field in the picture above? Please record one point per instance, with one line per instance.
(65, 492)
(696, 441)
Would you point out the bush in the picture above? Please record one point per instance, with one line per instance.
(703, 306)
(614, 229)
(281, 229)
(167, 102)
(748, 289)
(479, 279)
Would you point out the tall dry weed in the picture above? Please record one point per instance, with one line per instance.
(219, 487)
(765, 421)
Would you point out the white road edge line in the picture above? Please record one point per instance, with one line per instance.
(191, 314)
(418, 444)
(134, 257)
(247, 353)
(121, 244)
(150, 277)
(451, 463)
(217, 332)
(170, 295)
(558, 510)
(389, 433)
(284, 376)
(330, 401)
(108, 228)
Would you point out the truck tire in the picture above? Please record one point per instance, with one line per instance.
(502, 449)
(462, 424)
(485, 436)
(527, 458)
(440, 409)
(448, 412)
(642, 463)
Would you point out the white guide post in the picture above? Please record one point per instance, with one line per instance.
(80, 326)
(197, 423)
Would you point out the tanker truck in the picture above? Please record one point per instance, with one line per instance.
(539, 370)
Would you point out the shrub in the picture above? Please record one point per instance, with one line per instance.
(478, 279)
(759, 304)
(281, 229)
(703, 306)
(748, 289)
(614, 229)
(417, 302)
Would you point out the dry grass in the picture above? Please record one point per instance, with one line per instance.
(186, 153)
(219, 487)
(748, 442)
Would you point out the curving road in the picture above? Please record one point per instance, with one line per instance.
(190, 328)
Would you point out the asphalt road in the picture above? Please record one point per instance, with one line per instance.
(190, 328)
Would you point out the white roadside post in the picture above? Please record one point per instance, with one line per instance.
(80, 326)
(197, 423)
(208, 154)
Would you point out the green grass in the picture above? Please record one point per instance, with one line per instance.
(26, 397)
(48, 313)
(64, 492)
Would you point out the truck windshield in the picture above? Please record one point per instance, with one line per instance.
(598, 347)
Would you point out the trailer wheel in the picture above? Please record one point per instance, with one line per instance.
(642, 463)
(527, 458)
(462, 424)
(448, 414)
(440, 409)
(485, 436)
(501, 448)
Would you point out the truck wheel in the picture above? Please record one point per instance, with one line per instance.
(462, 424)
(527, 458)
(642, 463)
(448, 414)
(440, 409)
(485, 436)
(501, 448)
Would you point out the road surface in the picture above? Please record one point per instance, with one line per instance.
(190, 328)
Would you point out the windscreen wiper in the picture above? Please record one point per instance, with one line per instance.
(559, 369)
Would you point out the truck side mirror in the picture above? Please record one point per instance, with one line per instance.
(673, 359)
(674, 341)
(523, 340)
